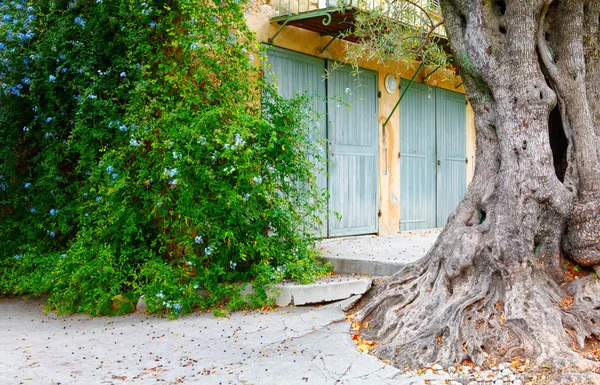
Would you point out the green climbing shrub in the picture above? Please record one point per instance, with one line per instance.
(142, 154)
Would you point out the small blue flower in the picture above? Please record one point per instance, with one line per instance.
(172, 182)
(52, 78)
(26, 80)
(153, 24)
(232, 265)
(92, 96)
(98, 199)
(198, 240)
(257, 179)
(110, 169)
(17, 256)
(231, 39)
(52, 234)
(134, 142)
(123, 74)
(49, 119)
(114, 175)
(27, 185)
(160, 295)
(53, 212)
(208, 250)
(80, 21)
(171, 172)
(177, 307)
(86, 215)
(33, 210)
(238, 141)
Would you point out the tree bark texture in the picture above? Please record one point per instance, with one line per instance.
(494, 284)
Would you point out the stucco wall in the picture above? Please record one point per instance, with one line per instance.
(295, 39)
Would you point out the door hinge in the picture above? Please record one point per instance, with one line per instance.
(379, 213)
(379, 94)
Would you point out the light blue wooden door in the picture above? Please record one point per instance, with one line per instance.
(432, 155)
(451, 149)
(353, 162)
(417, 157)
(297, 73)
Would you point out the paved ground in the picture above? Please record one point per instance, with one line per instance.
(297, 345)
(293, 345)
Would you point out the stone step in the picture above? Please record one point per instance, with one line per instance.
(327, 289)
(344, 265)
(376, 255)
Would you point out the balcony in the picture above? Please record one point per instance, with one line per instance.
(337, 18)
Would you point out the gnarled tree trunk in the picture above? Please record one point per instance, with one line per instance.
(494, 282)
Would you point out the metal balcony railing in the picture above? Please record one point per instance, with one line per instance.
(336, 16)
(294, 7)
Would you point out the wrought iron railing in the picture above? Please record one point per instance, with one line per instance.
(291, 7)
(414, 12)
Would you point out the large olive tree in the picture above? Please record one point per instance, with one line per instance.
(496, 282)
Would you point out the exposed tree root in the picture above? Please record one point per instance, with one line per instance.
(459, 304)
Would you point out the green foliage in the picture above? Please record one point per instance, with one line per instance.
(399, 31)
(142, 155)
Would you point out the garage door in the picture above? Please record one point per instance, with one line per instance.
(432, 155)
(348, 117)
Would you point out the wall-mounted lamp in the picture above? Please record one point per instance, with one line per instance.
(391, 84)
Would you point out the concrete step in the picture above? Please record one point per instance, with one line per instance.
(373, 255)
(342, 265)
(327, 289)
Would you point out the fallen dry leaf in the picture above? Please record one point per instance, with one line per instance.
(567, 302)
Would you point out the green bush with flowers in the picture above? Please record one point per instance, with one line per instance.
(143, 155)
